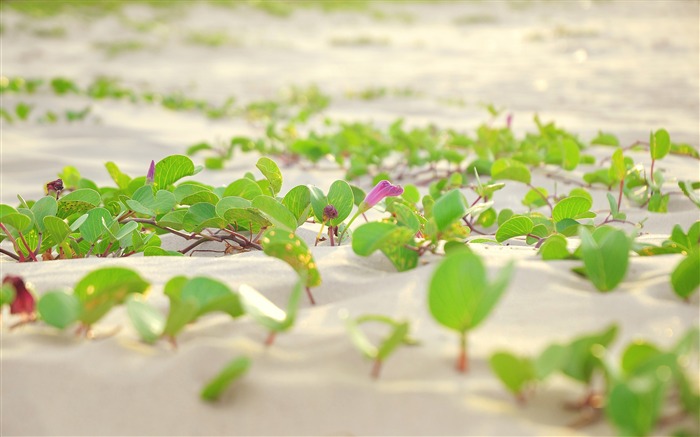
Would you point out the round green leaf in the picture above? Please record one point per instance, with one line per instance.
(293, 250)
(686, 276)
(277, 213)
(449, 208)
(44, 207)
(510, 169)
(59, 309)
(571, 207)
(171, 169)
(147, 321)
(514, 227)
(341, 197)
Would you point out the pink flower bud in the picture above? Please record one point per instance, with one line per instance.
(151, 173)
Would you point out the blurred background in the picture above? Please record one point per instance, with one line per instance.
(84, 82)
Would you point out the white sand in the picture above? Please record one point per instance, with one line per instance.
(640, 72)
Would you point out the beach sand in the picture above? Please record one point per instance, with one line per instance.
(622, 67)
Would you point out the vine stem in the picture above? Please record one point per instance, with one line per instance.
(20, 256)
(376, 368)
(10, 254)
(29, 249)
(549, 204)
(462, 358)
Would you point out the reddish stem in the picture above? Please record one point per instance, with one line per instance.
(376, 368)
(462, 358)
(311, 297)
(619, 197)
(270, 339)
(29, 249)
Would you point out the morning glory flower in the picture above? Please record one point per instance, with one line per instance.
(382, 190)
(151, 173)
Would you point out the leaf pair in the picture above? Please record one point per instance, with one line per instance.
(460, 296)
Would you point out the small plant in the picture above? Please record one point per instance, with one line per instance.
(460, 296)
(398, 335)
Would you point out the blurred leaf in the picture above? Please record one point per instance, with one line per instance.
(231, 372)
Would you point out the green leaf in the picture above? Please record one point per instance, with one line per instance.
(514, 372)
(659, 144)
(158, 251)
(18, 221)
(584, 355)
(267, 313)
(147, 321)
(144, 202)
(318, 202)
(618, 170)
(59, 309)
(449, 208)
(341, 197)
(554, 248)
(636, 355)
(370, 237)
(44, 207)
(514, 227)
(293, 250)
(171, 169)
(570, 154)
(181, 313)
(78, 202)
(101, 289)
(56, 229)
(658, 202)
(211, 295)
(605, 256)
(7, 294)
(459, 295)
(189, 194)
(244, 188)
(690, 191)
(510, 169)
(298, 201)
(272, 173)
(277, 213)
(230, 202)
(551, 360)
(406, 217)
(200, 216)
(397, 336)
(572, 208)
(605, 139)
(634, 406)
(122, 180)
(231, 372)
(685, 278)
(92, 229)
(410, 193)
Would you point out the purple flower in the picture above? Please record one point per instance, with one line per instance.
(509, 120)
(380, 191)
(329, 212)
(151, 173)
(24, 301)
(54, 187)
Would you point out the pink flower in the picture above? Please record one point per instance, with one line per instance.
(24, 301)
(509, 120)
(151, 173)
(382, 190)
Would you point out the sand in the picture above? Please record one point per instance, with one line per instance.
(625, 67)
